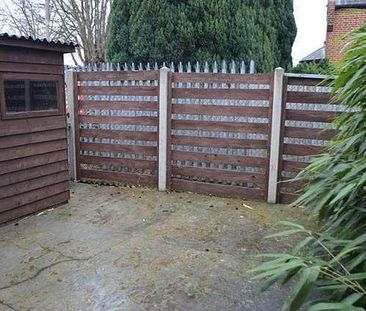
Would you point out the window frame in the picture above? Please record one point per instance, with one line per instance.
(5, 115)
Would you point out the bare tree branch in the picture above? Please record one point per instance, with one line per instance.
(82, 21)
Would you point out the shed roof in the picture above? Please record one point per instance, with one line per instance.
(314, 56)
(35, 43)
(351, 3)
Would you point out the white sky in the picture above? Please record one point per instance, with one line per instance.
(311, 20)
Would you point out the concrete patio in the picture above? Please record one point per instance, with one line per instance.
(116, 248)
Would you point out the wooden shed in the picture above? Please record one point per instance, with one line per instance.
(33, 135)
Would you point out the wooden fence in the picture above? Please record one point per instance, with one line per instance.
(242, 135)
(307, 112)
(219, 133)
(117, 126)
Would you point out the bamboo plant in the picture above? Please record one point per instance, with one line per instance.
(328, 268)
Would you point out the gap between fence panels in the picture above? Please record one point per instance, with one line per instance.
(231, 134)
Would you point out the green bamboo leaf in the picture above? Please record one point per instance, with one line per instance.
(291, 224)
(280, 270)
(334, 307)
(302, 244)
(344, 192)
(302, 289)
(285, 233)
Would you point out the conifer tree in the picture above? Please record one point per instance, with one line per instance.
(201, 30)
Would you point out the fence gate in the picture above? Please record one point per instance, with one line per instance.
(116, 117)
(220, 133)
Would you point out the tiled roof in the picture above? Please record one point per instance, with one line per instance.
(36, 40)
(350, 3)
(316, 55)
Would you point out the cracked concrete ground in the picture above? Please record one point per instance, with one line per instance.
(116, 248)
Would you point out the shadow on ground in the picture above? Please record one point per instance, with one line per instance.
(136, 249)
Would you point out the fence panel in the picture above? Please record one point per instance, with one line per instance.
(306, 132)
(117, 135)
(220, 128)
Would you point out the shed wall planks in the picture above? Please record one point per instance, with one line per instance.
(33, 150)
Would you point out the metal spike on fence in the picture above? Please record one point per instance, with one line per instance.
(224, 67)
(189, 67)
(164, 65)
(180, 67)
(156, 67)
(125, 68)
(242, 68)
(141, 67)
(172, 68)
(207, 67)
(133, 67)
(148, 66)
(233, 67)
(88, 67)
(197, 69)
(118, 67)
(252, 66)
(215, 68)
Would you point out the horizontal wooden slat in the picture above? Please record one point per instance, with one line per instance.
(22, 126)
(217, 189)
(35, 172)
(119, 177)
(307, 81)
(221, 78)
(118, 76)
(219, 174)
(152, 121)
(31, 68)
(33, 196)
(309, 133)
(34, 207)
(292, 166)
(114, 134)
(119, 90)
(250, 94)
(308, 97)
(216, 110)
(220, 159)
(218, 142)
(238, 127)
(302, 150)
(311, 115)
(119, 105)
(288, 198)
(33, 149)
(11, 54)
(13, 166)
(32, 184)
(294, 185)
(118, 162)
(133, 149)
(31, 138)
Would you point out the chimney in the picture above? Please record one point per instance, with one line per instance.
(331, 15)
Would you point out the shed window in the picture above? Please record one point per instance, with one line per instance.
(26, 95)
(30, 95)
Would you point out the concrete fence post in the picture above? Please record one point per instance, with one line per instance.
(163, 128)
(274, 158)
(69, 80)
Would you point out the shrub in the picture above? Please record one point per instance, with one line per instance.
(324, 67)
(332, 262)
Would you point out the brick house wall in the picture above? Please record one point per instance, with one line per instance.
(341, 20)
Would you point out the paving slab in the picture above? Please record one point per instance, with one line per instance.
(122, 248)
